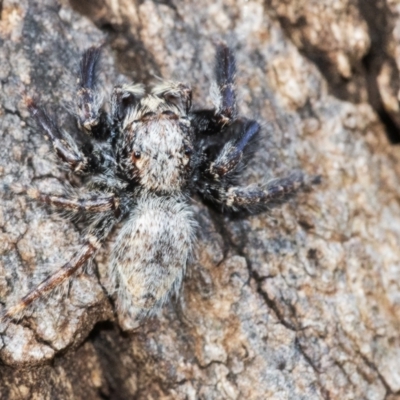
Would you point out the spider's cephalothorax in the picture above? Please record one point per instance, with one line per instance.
(156, 140)
(143, 162)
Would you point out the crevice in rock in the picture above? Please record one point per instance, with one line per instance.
(132, 58)
(364, 73)
(110, 346)
(380, 26)
(372, 366)
(272, 304)
(338, 85)
(311, 363)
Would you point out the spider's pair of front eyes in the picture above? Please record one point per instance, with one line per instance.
(136, 155)
(151, 114)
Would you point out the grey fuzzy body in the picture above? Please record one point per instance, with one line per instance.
(155, 144)
(151, 252)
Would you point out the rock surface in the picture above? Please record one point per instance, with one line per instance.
(302, 302)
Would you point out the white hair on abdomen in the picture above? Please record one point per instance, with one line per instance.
(151, 253)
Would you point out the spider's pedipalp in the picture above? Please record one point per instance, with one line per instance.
(176, 94)
(91, 118)
(225, 73)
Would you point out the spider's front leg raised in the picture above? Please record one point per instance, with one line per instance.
(211, 122)
(225, 75)
(92, 119)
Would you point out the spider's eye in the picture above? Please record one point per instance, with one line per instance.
(168, 112)
(136, 154)
(172, 98)
(188, 151)
(149, 114)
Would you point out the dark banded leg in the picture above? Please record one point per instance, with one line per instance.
(97, 232)
(243, 131)
(211, 122)
(87, 251)
(64, 146)
(225, 73)
(91, 118)
(255, 199)
(94, 203)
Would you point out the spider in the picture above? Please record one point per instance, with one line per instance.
(141, 162)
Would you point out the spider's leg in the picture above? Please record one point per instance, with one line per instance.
(87, 251)
(206, 122)
(225, 73)
(64, 146)
(212, 121)
(94, 203)
(92, 119)
(242, 131)
(98, 231)
(256, 199)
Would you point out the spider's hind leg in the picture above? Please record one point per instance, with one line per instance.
(97, 232)
(51, 282)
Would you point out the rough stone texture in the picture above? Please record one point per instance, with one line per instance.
(299, 303)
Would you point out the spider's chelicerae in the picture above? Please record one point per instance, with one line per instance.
(141, 164)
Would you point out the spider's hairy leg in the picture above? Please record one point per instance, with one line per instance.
(243, 131)
(64, 146)
(87, 251)
(225, 70)
(92, 119)
(97, 232)
(255, 198)
(212, 121)
(93, 203)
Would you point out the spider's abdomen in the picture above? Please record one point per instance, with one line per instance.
(151, 252)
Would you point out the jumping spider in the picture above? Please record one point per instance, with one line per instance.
(141, 163)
